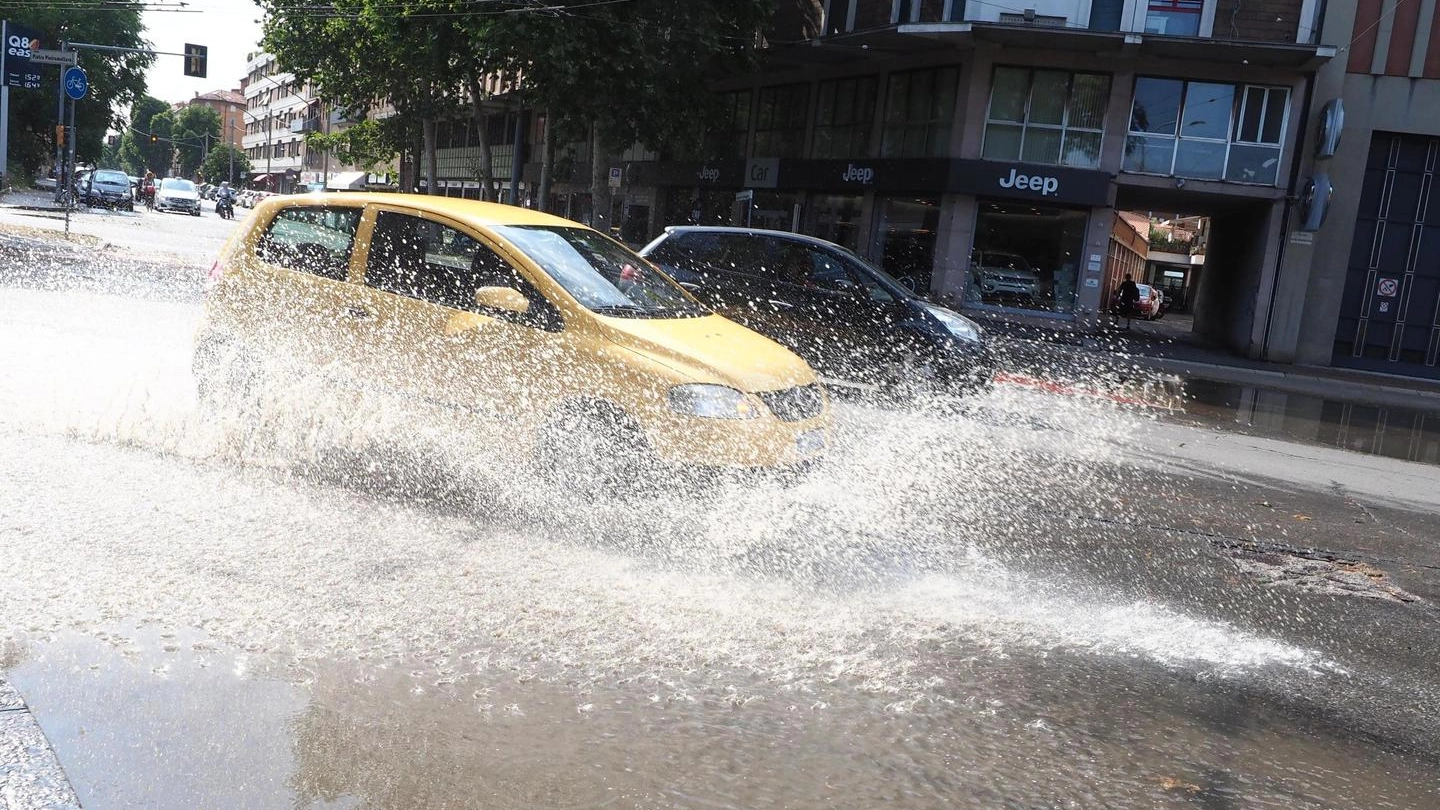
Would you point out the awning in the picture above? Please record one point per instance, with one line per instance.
(346, 180)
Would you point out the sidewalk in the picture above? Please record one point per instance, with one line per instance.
(1036, 343)
(30, 199)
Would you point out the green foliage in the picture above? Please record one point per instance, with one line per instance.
(368, 144)
(633, 71)
(196, 130)
(116, 79)
(137, 153)
(225, 162)
(636, 71)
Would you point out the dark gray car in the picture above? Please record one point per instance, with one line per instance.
(854, 324)
(107, 188)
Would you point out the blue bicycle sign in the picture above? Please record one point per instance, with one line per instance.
(76, 83)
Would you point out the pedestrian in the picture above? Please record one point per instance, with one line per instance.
(1129, 298)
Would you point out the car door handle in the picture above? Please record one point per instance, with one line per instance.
(355, 312)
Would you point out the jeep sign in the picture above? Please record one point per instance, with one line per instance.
(1047, 186)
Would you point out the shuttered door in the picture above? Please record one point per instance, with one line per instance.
(1390, 313)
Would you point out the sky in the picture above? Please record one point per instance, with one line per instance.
(229, 28)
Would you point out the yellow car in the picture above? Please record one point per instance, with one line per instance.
(562, 339)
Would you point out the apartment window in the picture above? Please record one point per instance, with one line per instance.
(728, 139)
(844, 114)
(1207, 130)
(919, 108)
(780, 120)
(1174, 17)
(1046, 116)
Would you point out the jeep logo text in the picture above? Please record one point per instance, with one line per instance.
(862, 175)
(1034, 182)
(709, 174)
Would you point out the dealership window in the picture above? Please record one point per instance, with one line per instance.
(1046, 116)
(836, 218)
(1026, 256)
(1207, 130)
(780, 120)
(844, 113)
(1174, 17)
(919, 108)
(905, 237)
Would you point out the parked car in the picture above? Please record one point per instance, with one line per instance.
(1151, 304)
(107, 188)
(177, 194)
(857, 326)
(527, 327)
(1004, 275)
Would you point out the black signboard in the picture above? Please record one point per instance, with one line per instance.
(1030, 181)
(721, 173)
(15, 64)
(883, 174)
(985, 178)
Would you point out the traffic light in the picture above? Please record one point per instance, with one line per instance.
(59, 134)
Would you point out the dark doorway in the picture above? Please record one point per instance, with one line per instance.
(1390, 313)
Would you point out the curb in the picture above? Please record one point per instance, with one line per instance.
(30, 773)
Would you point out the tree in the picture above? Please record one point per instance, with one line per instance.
(137, 152)
(368, 144)
(197, 130)
(225, 162)
(116, 79)
(631, 72)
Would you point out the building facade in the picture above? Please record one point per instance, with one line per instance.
(927, 135)
(279, 110)
(1364, 291)
(229, 105)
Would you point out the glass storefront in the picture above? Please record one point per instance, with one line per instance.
(836, 218)
(774, 210)
(905, 238)
(1026, 256)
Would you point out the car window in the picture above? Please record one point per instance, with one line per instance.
(312, 239)
(173, 184)
(600, 273)
(112, 177)
(434, 262)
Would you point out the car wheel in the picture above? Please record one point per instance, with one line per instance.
(593, 450)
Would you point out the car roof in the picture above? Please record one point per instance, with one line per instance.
(486, 213)
(798, 237)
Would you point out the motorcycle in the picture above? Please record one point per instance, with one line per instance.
(225, 207)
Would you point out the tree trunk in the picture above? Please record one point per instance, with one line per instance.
(482, 123)
(547, 165)
(427, 135)
(599, 183)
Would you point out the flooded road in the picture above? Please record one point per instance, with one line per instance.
(1037, 600)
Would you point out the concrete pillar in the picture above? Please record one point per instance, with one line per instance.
(952, 246)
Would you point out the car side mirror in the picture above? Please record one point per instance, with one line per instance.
(505, 299)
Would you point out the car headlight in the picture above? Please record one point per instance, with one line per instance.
(957, 324)
(712, 402)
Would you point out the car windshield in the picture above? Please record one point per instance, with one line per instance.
(878, 284)
(171, 184)
(603, 275)
(112, 177)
